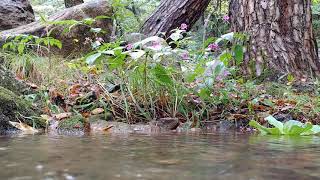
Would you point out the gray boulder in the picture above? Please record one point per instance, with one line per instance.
(14, 13)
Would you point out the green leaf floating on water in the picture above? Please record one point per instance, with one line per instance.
(291, 127)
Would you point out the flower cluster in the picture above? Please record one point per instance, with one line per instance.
(183, 26)
(226, 18)
(213, 47)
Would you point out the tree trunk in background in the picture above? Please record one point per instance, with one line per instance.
(172, 13)
(281, 36)
(71, 3)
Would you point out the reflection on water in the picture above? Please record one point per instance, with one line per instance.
(166, 156)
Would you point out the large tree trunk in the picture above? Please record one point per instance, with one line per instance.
(281, 36)
(71, 3)
(172, 13)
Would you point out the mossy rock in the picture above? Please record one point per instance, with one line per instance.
(15, 108)
(8, 81)
(105, 117)
(73, 123)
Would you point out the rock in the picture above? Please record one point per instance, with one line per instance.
(73, 41)
(74, 123)
(14, 13)
(134, 37)
(8, 81)
(166, 124)
(14, 108)
(113, 127)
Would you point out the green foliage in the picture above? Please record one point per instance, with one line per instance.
(290, 127)
(22, 43)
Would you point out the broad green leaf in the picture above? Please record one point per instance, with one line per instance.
(274, 131)
(21, 48)
(116, 62)
(238, 54)
(108, 52)
(176, 36)
(279, 125)
(298, 130)
(313, 131)
(289, 125)
(147, 40)
(91, 59)
(225, 58)
(205, 93)
(162, 74)
(102, 17)
(95, 30)
(137, 54)
(263, 130)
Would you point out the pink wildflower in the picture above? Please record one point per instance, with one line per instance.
(129, 47)
(213, 47)
(185, 56)
(226, 18)
(156, 45)
(184, 26)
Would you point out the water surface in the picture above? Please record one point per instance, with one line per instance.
(166, 156)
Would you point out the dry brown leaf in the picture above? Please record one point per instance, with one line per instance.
(288, 107)
(62, 116)
(32, 85)
(97, 111)
(24, 127)
(107, 128)
(75, 89)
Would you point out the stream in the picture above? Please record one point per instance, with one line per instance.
(161, 156)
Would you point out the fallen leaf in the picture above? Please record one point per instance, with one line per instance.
(23, 127)
(97, 111)
(62, 116)
(32, 85)
(107, 128)
(45, 117)
(85, 114)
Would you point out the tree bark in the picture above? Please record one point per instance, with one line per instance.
(172, 13)
(71, 3)
(281, 36)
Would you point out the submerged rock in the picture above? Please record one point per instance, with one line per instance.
(14, 108)
(14, 13)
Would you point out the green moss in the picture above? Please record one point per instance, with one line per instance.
(8, 81)
(14, 108)
(72, 123)
(8, 97)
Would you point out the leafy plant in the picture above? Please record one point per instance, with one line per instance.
(22, 42)
(291, 127)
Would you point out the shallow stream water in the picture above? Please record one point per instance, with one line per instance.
(165, 156)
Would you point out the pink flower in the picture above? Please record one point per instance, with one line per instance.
(185, 56)
(129, 47)
(226, 18)
(184, 26)
(99, 39)
(213, 47)
(156, 45)
(223, 75)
